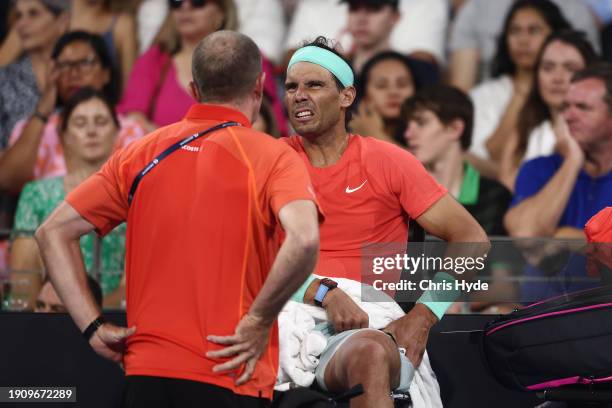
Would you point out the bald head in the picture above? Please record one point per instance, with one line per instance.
(225, 67)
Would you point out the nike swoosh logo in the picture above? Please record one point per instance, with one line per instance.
(352, 190)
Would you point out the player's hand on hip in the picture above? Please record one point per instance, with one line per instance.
(343, 313)
(245, 346)
(411, 332)
(109, 341)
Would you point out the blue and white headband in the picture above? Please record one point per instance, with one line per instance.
(326, 59)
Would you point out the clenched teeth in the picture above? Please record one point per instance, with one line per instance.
(303, 114)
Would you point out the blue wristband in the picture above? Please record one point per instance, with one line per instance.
(299, 295)
(438, 301)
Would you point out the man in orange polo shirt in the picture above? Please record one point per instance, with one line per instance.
(369, 190)
(205, 275)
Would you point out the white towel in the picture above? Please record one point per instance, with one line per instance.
(301, 345)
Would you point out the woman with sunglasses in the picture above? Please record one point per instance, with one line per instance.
(88, 130)
(39, 23)
(80, 59)
(157, 92)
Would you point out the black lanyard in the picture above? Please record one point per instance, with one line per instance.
(168, 152)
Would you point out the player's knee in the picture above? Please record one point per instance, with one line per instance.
(368, 355)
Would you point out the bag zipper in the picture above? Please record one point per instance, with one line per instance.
(567, 301)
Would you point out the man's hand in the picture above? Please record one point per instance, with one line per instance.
(343, 312)
(246, 346)
(109, 341)
(567, 146)
(368, 122)
(412, 330)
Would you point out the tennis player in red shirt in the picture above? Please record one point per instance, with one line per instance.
(205, 275)
(368, 190)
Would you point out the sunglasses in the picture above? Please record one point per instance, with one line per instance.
(176, 4)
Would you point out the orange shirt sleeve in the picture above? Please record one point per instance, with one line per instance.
(289, 181)
(416, 189)
(599, 227)
(101, 199)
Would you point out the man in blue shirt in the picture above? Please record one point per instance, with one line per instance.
(556, 195)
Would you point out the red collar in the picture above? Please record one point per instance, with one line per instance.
(202, 111)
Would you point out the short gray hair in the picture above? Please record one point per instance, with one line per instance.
(225, 66)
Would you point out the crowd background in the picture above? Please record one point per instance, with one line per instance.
(82, 78)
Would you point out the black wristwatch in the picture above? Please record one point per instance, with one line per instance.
(93, 326)
(325, 286)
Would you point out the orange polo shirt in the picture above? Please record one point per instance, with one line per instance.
(200, 239)
(368, 197)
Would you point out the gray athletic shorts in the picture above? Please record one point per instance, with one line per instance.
(334, 343)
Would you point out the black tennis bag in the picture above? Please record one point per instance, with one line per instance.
(559, 341)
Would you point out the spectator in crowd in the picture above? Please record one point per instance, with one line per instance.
(157, 93)
(386, 81)
(556, 195)
(262, 20)
(420, 31)
(117, 29)
(80, 60)
(48, 301)
(477, 27)
(439, 122)
(356, 177)
(497, 102)
(562, 55)
(88, 129)
(242, 268)
(370, 24)
(438, 131)
(39, 23)
(99, 17)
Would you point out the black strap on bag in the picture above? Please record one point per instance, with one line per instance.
(168, 152)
